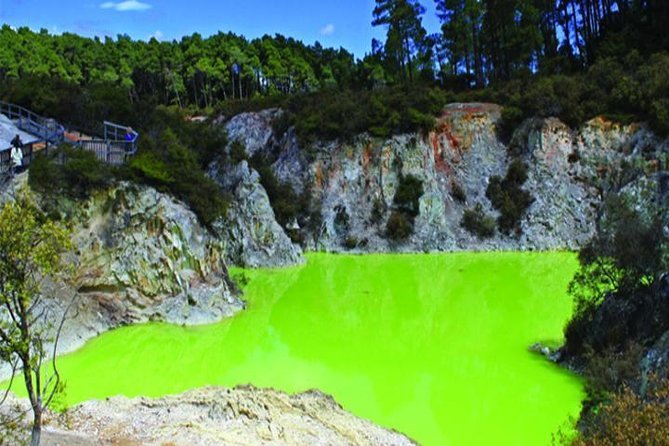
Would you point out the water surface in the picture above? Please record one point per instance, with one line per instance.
(435, 346)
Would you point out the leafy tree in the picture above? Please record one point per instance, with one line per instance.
(31, 248)
(621, 262)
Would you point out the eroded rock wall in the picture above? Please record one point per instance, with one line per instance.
(142, 256)
(354, 183)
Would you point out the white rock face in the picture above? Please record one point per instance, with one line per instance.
(569, 173)
(213, 416)
(143, 256)
(252, 235)
(254, 130)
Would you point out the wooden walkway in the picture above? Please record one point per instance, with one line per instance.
(115, 147)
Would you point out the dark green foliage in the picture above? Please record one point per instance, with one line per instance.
(70, 172)
(169, 166)
(477, 222)
(618, 268)
(608, 372)
(408, 194)
(352, 242)
(288, 206)
(511, 119)
(378, 211)
(330, 114)
(405, 208)
(399, 226)
(508, 197)
(150, 167)
(341, 220)
(204, 140)
(237, 152)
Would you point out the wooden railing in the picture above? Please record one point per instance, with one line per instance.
(48, 130)
(119, 143)
(29, 154)
(110, 152)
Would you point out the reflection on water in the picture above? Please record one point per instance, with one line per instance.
(434, 346)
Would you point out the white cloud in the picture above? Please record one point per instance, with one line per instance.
(158, 35)
(128, 5)
(328, 30)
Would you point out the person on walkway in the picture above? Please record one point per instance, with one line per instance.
(16, 155)
(129, 136)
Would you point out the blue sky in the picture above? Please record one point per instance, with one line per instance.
(345, 23)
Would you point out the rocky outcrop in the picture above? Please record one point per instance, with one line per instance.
(253, 237)
(253, 130)
(213, 416)
(570, 171)
(142, 256)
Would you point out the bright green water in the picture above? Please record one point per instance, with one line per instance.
(435, 346)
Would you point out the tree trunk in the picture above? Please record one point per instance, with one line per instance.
(36, 433)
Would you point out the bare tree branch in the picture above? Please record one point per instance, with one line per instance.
(15, 365)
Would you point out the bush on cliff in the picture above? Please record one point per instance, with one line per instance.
(169, 166)
(620, 305)
(508, 197)
(477, 222)
(399, 227)
(70, 172)
(331, 114)
(286, 203)
(405, 208)
(407, 196)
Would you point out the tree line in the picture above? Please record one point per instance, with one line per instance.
(481, 42)
(193, 70)
(488, 41)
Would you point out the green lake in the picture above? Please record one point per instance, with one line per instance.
(435, 346)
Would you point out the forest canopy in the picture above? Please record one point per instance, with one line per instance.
(573, 59)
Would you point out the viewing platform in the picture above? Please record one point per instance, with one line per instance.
(40, 134)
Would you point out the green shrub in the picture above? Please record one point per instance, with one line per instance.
(407, 196)
(337, 114)
(341, 220)
(150, 167)
(378, 211)
(237, 151)
(628, 419)
(399, 227)
(169, 166)
(511, 119)
(71, 172)
(478, 223)
(288, 206)
(508, 197)
(406, 206)
(351, 242)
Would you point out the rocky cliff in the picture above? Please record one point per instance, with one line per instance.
(252, 235)
(354, 183)
(140, 256)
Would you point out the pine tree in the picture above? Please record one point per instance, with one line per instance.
(407, 47)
